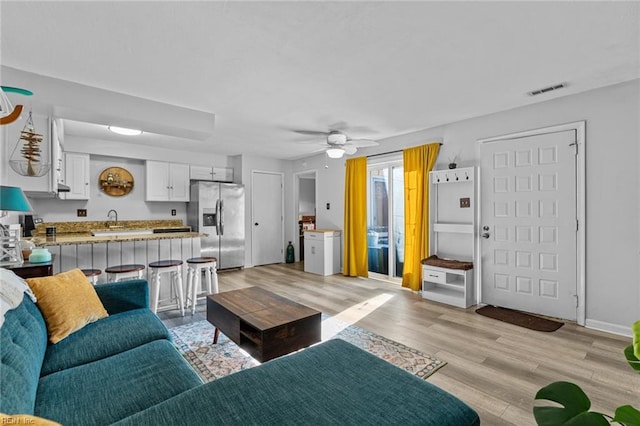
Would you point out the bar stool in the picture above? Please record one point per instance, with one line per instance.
(92, 275)
(174, 269)
(124, 272)
(195, 266)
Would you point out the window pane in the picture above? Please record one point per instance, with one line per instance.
(378, 231)
(398, 218)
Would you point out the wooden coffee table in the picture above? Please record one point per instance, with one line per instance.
(262, 323)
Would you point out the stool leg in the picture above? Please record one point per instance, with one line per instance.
(187, 299)
(194, 289)
(215, 336)
(209, 275)
(155, 278)
(214, 274)
(187, 287)
(178, 273)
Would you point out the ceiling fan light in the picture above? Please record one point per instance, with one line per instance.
(335, 152)
(124, 131)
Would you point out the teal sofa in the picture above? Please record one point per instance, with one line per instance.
(123, 369)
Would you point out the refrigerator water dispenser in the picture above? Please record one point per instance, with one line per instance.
(208, 219)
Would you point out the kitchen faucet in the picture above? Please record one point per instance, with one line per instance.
(114, 212)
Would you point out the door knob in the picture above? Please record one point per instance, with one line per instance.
(485, 228)
(256, 224)
(485, 235)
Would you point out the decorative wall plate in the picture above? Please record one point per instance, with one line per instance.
(115, 181)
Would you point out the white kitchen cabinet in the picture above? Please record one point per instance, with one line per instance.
(218, 174)
(322, 254)
(77, 176)
(200, 173)
(167, 181)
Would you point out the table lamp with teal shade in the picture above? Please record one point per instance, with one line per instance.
(11, 199)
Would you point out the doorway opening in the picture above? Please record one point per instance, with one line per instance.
(305, 207)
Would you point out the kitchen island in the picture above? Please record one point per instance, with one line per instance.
(96, 245)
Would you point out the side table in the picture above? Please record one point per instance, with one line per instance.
(33, 270)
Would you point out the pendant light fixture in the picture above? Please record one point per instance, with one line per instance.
(9, 113)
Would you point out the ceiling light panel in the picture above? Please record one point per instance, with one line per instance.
(124, 131)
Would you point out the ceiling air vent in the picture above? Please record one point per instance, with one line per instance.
(547, 89)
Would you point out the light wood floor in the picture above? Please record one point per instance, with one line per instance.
(494, 367)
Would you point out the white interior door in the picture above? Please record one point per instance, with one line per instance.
(528, 222)
(267, 218)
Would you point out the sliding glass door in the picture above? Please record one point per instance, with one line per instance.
(385, 223)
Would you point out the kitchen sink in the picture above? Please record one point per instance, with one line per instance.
(121, 232)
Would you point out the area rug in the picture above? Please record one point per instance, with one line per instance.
(195, 342)
(521, 319)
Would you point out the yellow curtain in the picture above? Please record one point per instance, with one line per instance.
(355, 219)
(417, 163)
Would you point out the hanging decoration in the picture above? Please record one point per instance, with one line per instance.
(9, 114)
(28, 159)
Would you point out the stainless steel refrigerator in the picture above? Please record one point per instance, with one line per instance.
(217, 209)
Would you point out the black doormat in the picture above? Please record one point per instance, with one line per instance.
(522, 319)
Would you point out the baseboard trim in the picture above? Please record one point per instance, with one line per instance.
(609, 328)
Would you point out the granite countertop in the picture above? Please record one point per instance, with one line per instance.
(81, 232)
(87, 238)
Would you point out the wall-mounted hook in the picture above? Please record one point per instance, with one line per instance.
(467, 175)
(457, 177)
(447, 177)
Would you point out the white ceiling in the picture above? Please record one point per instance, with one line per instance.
(379, 69)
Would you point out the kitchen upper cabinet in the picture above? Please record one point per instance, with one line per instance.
(167, 181)
(76, 172)
(179, 182)
(218, 174)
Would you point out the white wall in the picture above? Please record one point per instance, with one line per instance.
(329, 189)
(613, 185)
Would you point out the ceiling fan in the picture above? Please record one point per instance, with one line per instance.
(337, 143)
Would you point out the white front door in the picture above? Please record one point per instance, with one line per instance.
(267, 218)
(528, 223)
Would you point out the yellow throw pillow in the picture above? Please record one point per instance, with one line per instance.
(67, 301)
(25, 419)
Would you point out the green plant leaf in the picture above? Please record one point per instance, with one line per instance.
(635, 329)
(574, 410)
(555, 416)
(633, 361)
(627, 415)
